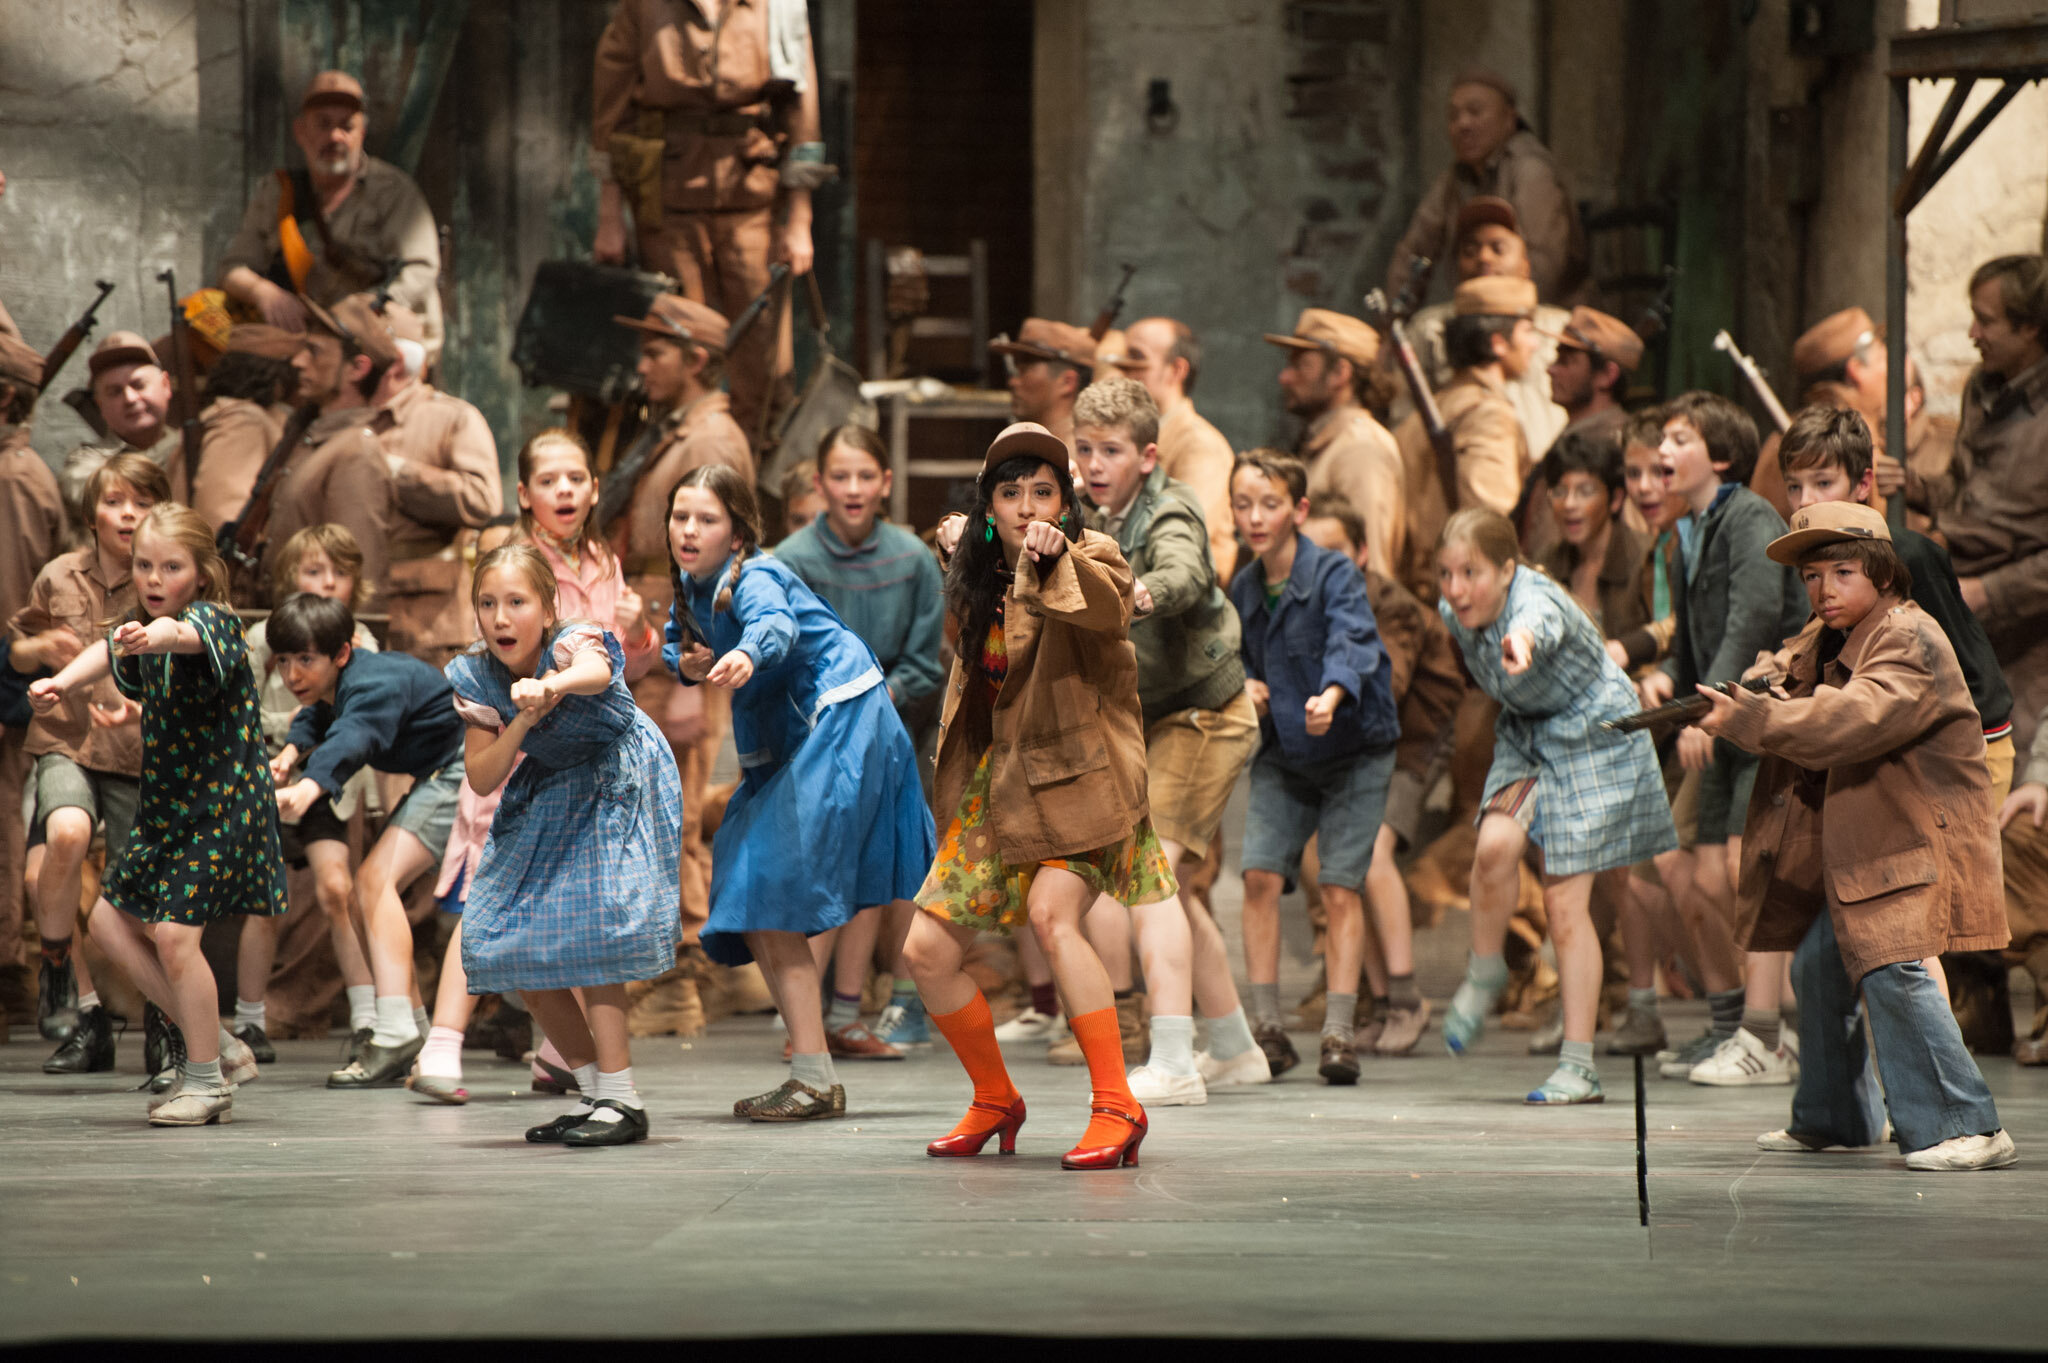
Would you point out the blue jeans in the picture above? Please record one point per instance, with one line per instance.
(1932, 1086)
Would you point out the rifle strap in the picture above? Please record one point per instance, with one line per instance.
(615, 494)
(298, 258)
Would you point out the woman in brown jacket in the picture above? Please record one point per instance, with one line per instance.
(1042, 761)
(1871, 845)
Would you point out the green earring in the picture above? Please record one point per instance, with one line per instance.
(988, 529)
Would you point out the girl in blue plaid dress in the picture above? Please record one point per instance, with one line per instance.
(1590, 799)
(576, 887)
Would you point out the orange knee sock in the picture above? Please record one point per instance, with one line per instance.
(971, 1032)
(1102, 1044)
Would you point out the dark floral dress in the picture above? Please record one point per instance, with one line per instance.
(205, 840)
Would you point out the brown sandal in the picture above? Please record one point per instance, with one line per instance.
(795, 1102)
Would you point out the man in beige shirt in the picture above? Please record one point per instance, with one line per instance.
(1329, 364)
(246, 392)
(132, 391)
(1166, 356)
(1049, 364)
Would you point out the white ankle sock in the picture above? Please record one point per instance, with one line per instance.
(619, 1089)
(442, 1055)
(362, 1006)
(1173, 1045)
(394, 1025)
(249, 1014)
(586, 1085)
(90, 999)
(204, 1074)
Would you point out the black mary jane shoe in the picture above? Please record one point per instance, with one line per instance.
(554, 1132)
(630, 1127)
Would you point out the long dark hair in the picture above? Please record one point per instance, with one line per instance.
(978, 577)
(735, 492)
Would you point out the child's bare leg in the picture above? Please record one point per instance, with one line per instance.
(395, 862)
(334, 889)
(1165, 948)
(1496, 886)
(792, 975)
(561, 1017)
(853, 953)
(129, 947)
(194, 993)
(1638, 939)
(1391, 924)
(67, 837)
(604, 1008)
(1709, 914)
(441, 1057)
(255, 954)
(1567, 900)
(1261, 926)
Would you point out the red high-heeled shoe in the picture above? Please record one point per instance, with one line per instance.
(1110, 1156)
(966, 1143)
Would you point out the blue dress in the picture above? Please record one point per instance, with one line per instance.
(829, 818)
(577, 881)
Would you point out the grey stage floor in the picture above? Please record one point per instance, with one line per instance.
(1425, 1202)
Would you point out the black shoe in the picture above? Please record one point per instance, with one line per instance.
(554, 1131)
(163, 1048)
(57, 1001)
(378, 1066)
(631, 1127)
(252, 1036)
(89, 1049)
(558, 1081)
(1339, 1060)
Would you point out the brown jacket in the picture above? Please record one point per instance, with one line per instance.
(1428, 679)
(31, 518)
(1524, 173)
(1350, 453)
(1622, 609)
(1067, 763)
(1873, 802)
(237, 436)
(73, 593)
(445, 477)
(1493, 459)
(337, 474)
(695, 434)
(1194, 452)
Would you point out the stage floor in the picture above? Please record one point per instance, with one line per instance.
(1425, 1202)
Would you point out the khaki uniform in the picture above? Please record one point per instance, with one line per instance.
(336, 475)
(73, 592)
(1194, 452)
(238, 436)
(385, 218)
(1492, 461)
(32, 530)
(1348, 452)
(703, 90)
(445, 483)
(1542, 419)
(697, 433)
(1523, 173)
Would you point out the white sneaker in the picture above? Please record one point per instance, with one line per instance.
(1155, 1088)
(1032, 1025)
(1741, 1060)
(1959, 1154)
(1247, 1067)
(1784, 1142)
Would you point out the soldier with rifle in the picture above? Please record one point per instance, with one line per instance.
(248, 392)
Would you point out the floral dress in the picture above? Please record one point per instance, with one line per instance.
(205, 843)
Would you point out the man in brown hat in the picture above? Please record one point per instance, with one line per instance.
(133, 393)
(246, 391)
(1166, 356)
(338, 473)
(1049, 363)
(705, 119)
(1593, 356)
(682, 358)
(1495, 153)
(446, 485)
(1329, 363)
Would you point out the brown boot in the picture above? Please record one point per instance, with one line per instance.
(1130, 1021)
(673, 1007)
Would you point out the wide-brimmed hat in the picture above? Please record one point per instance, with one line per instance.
(1826, 523)
(676, 318)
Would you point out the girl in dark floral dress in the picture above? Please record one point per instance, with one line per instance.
(205, 843)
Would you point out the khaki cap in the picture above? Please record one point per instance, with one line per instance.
(1827, 523)
(1334, 333)
(676, 318)
(355, 319)
(1608, 337)
(1484, 209)
(1494, 296)
(20, 363)
(1832, 341)
(258, 338)
(332, 87)
(1026, 437)
(1491, 79)
(1060, 342)
(122, 347)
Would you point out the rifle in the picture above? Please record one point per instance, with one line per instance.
(1657, 312)
(1757, 381)
(74, 335)
(1685, 709)
(1411, 370)
(1106, 319)
(241, 539)
(186, 399)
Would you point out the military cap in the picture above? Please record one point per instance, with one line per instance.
(354, 319)
(1040, 339)
(1832, 341)
(1827, 523)
(676, 318)
(122, 347)
(1608, 337)
(1334, 334)
(332, 87)
(1494, 296)
(1025, 437)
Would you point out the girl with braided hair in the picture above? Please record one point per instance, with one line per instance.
(829, 817)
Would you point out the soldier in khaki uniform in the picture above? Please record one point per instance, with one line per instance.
(1049, 363)
(243, 421)
(1166, 356)
(1594, 354)
(682, 356)
(446, 486)
(705, 118)
(133, 393)
(1347, 452)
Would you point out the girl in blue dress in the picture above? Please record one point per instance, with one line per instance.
(576, 887)
(829, 817)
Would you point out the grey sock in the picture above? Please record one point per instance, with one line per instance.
(1229, 1036)
(203, 1074)
(1643, 1000)
(1579, 1054)
(1763, 1024)
(1726, 1008)
(1401, 991)
(1487, 972)
(813, 1070)
(844, 1012)
(1338, 1012)
(1265, 1003)
(419, 1020)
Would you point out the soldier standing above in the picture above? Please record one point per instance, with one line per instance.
(341, 225)
(1049, 363)
(1328, 367)
(133, 392)
(705, 119)
(1166, 356)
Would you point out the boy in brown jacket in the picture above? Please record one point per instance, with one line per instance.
(1875, 721)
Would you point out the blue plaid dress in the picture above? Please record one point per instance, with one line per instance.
(577, 881)
(1599, 799)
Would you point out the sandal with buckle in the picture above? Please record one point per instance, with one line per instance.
(798, 1102)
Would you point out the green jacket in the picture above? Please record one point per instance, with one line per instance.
(1188, 646)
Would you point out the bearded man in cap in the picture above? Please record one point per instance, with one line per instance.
(1049, 364)
(1165, 355)
(1496, 154)
(1329, 365)
(132, 391)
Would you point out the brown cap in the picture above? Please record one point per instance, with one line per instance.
(1494, 296)
(1026, 437)
(405, 324)
(258, 338)
(1333, 332)
(676, 318)
(354, 319)
(122, 347)
(1832, 341)
(19, 362)
(1484, 209)
(1491, 79)
(1039, 339)
(1827, 523)
(332, 87)
(1608, 337)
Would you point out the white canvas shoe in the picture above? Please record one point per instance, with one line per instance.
(1246, 1067)
(1960, 1154)
(1032, 1025)
(1742, 1060)
(1154, 1088)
